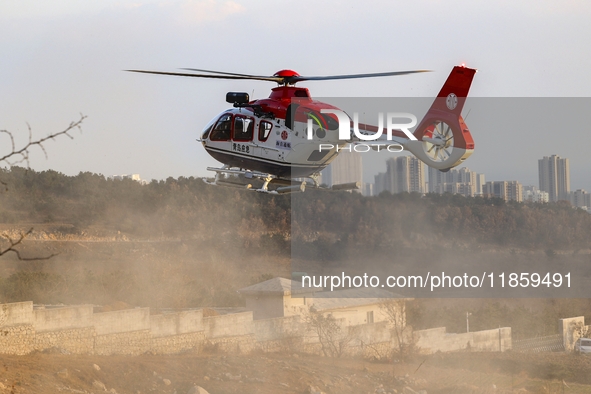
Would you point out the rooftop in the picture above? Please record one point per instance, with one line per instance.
(278, 286)
(339, 299)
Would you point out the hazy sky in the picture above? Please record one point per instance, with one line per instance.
(65, 58)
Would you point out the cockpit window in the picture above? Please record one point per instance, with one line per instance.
(243, 128)
(207, 129)
(264, 130)
(221, 131)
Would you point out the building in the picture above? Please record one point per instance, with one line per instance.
(580, 199)
(507, 190)
(273, 298)
(280, 297)
(403, 174)
(346, 168)
(480, 181)
(356, 306)
(463, 181)
(436, 179)
(554, 177)
(533, 194)
(367, 189)
(379, 183)
(133, 177)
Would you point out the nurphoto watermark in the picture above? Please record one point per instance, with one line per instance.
(365, 132)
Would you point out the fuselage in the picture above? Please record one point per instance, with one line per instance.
(270, 135)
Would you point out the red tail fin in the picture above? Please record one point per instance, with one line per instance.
(447, 108)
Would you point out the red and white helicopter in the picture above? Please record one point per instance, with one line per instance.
(265, 144)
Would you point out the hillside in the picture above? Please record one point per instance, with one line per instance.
(187, 208)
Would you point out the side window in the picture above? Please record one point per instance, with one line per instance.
(243, 128)
(221, 131)
(264, 130)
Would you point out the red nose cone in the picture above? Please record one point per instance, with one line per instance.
(286, 73)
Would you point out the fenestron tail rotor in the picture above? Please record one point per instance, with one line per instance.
(438, 143)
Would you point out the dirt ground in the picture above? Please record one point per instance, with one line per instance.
(295, 373)
(270, 373)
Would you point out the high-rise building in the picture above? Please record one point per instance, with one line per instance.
(480, 181)
(462, 181)
(367, 189)
(436, 178)
(554, 176)
(507, 190)
(379, 183)
(514, 191)
(346, 168)
(580, 199)
(405, 174)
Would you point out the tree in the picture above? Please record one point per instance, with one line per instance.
(333, 340)
(581, 330)
(395, 311)
(19, 155)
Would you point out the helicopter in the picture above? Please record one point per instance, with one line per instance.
(281, 143)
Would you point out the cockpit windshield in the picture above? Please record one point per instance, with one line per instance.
(207, 129)
(222, 129)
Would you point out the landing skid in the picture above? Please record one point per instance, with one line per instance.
(268, 183)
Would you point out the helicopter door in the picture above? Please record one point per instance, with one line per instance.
(266, 149)
(243, 134)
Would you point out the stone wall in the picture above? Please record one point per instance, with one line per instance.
(234, 324)
(176, 323)
(280, 334)
(16, 313)
(178, 343)
(495, 340)
(438, 340)
(230, 333)
(131, 343)
(177, 332)
(127, 320)
(17, 339)
(78, 330)
(278, 328)
(75, 340)
(52, 319)
(232, 344)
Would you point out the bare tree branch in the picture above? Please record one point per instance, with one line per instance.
(21, 155)
(12, 243)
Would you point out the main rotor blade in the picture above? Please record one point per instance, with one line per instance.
(223, 73)
(280, 80)
(272, 79)
(353, 76)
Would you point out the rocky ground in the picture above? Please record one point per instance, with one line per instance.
(294, 373)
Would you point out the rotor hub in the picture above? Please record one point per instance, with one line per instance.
(286, 73)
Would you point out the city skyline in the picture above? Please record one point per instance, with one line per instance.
(553, 184)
